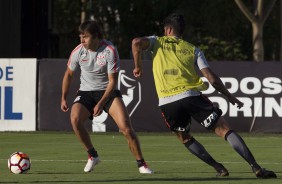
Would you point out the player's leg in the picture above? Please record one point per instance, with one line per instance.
(120, 115)
(222, 129)
(79, 114)
(178, 121)
(199, 151)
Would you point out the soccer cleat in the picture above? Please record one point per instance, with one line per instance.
(145, 169)
(221, 171)
(264, 174)
(91, 162)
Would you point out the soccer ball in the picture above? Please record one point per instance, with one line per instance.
(19, 163)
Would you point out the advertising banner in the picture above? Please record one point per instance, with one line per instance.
(257, 85)
(18, 94)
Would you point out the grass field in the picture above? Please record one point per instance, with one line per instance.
(58, 157)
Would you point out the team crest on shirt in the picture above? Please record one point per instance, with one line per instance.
(104, 56)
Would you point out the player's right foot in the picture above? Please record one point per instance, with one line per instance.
(145, 169)
(91, 162)
(221, 171)
(264, 174)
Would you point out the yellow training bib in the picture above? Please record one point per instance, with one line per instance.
(174, 67)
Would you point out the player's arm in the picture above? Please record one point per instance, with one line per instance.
(65, 89)
(138, 45)
(113, 80)
(216, 82)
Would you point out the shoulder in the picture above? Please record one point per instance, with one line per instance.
(200, 59)
(78, 53)
(151, 41)
(77, 49)
(108, 50)
(153, 37)
(108, 45)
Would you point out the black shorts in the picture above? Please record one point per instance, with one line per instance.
(90, 98)
(178, 114)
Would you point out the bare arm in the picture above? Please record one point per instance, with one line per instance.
(216, 82)
(65, 89)
(138, 45)
(113, 80)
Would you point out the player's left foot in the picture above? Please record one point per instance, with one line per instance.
(264, 174)
(221, 171)
(91, 162)
(145, 169)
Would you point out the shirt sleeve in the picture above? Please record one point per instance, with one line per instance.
(73, 61)
(200, 59)
(113, 60)
(152, 40)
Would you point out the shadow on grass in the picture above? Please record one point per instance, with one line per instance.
(151, 180)
(158, 177)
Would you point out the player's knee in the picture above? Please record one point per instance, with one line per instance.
(75, 122)
(186, 139)
(221, 127)
(222, 132)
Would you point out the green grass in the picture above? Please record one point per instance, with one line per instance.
(58, 157)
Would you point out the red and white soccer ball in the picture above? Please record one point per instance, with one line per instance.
(19, 163)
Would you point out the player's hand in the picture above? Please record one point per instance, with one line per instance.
(64, 106)
(137, 72)
(98, 109)
(234, 101)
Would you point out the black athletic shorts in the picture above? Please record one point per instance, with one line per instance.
(178, 114)
(90, 98)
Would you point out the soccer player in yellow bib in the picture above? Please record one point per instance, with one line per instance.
(179, 90)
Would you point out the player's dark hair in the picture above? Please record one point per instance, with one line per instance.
(176, 21)
(92, 27)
